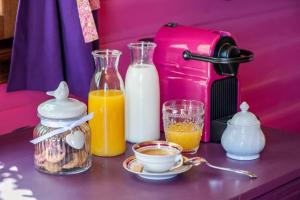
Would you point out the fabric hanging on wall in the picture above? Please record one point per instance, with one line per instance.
(49, 47)
(87, 22)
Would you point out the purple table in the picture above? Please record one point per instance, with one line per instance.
(278, 170)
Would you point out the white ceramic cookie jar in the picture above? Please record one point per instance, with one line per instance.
(243, 138)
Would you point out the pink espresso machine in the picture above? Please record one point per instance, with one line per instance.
(201, 65)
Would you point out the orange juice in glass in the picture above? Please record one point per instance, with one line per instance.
(106, 101)
(183, 123)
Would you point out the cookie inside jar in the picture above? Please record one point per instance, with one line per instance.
(62, 139)
(56, 156)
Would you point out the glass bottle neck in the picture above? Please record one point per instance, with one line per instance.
(106, 76)
(142, 53)
(106, 60)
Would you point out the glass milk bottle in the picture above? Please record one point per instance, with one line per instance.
(106, 101)
(142, 95)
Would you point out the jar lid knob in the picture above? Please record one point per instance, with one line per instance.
(61, 93)
(244, 107)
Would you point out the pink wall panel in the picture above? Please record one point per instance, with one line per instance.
(18, 109)
(269, 28)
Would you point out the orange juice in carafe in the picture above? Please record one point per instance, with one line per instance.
(108, 138)
(106, 101)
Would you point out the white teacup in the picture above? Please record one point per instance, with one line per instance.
(158, 156)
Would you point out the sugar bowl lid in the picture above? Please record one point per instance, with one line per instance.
(244, 118)
(61, 107)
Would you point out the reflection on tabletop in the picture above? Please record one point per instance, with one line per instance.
(9, 178)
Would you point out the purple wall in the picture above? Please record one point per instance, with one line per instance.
(270, 28)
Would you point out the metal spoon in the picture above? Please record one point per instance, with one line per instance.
(195, 161)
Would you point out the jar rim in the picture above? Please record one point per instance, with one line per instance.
(57, 123)
(245, 125)
(61, 119)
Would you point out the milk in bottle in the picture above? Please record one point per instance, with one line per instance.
(142, 95)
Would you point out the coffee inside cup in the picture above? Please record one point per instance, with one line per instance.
(158, 151)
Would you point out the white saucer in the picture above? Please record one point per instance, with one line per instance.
(127, 164)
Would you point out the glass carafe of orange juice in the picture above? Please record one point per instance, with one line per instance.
(106, 101)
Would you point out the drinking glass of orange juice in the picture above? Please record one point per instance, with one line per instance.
(183, 123)
(106, 101)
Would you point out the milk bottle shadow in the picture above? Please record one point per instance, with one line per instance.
(9, 187)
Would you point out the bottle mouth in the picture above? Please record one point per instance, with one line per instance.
(142, 44)
(106, 52)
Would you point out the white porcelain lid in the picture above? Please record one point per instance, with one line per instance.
(244, 118)
(61, 107)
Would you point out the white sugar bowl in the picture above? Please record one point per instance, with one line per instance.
(243, 138)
